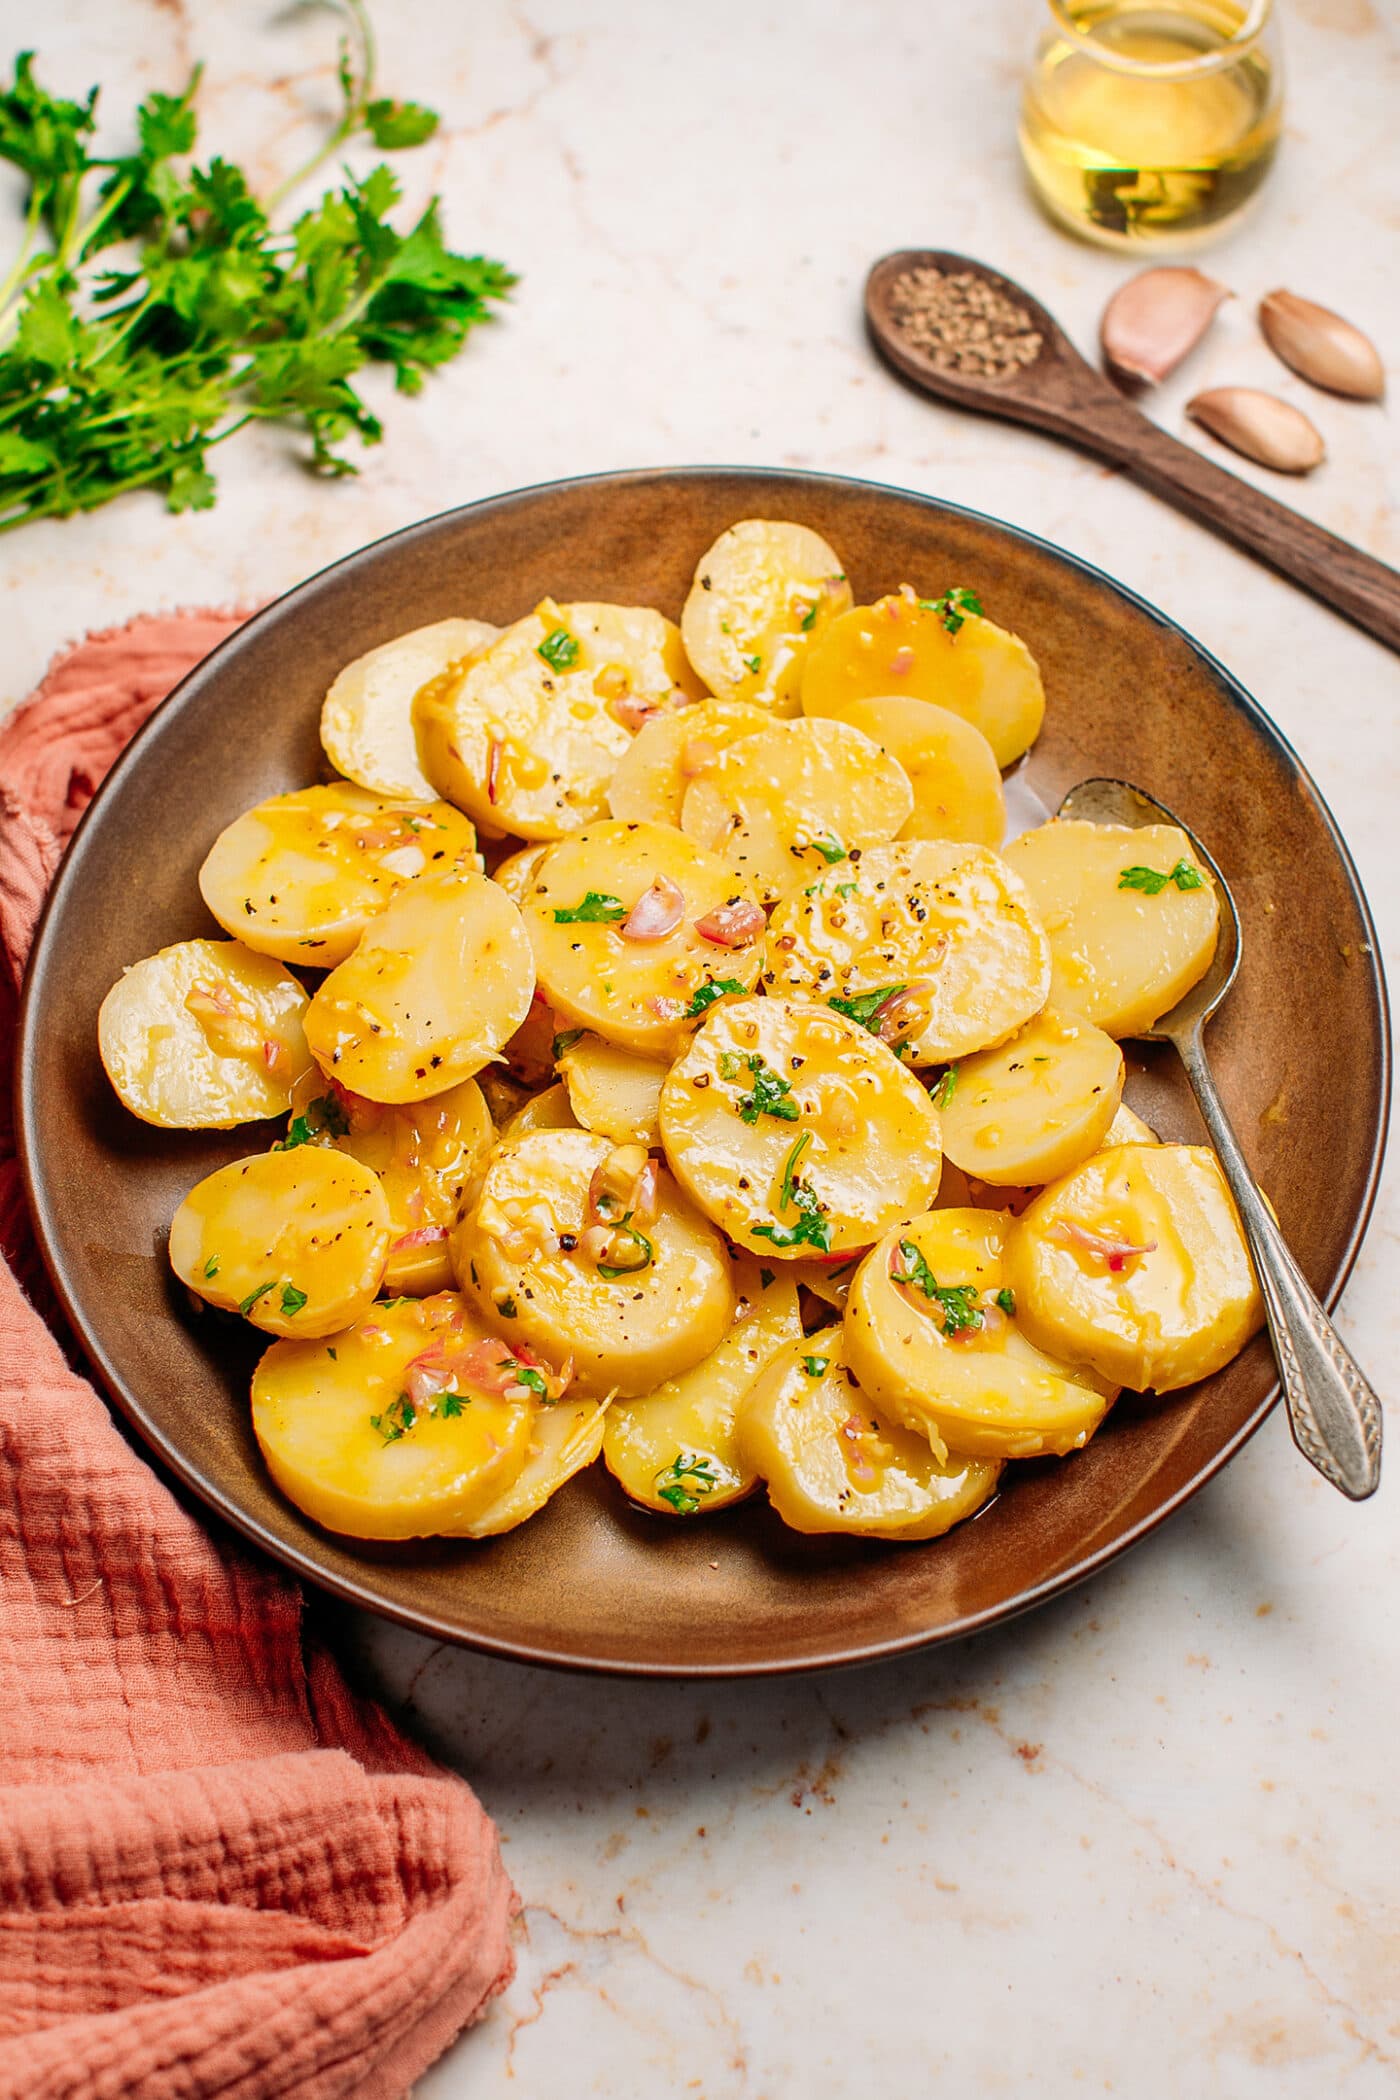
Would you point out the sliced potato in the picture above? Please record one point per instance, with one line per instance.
(931, 650)
(780, 806)
(1032, 1109)
(439, 982)
(676, 1450)
(1128, 1128)
(629, 1302)
(637, 991)
(670, 751)
(204, 1035)
(549, 1110)
(930, 1341)
(425, 1153)
(834, 1461)
(301, 876)
(564, 1438)
(367, 719)
(346, 1441)
(796, 1130)
(950, 765)
(612, 1092)
(831, 1280)
(936, 945)
(762, 595)
(1125, 950)
(526, 738)
(516, 873)
(1136, 1264)
(295, 1241)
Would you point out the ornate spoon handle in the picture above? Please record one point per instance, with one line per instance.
(1333, 1413)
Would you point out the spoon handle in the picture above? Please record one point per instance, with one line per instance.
(1333, 1413)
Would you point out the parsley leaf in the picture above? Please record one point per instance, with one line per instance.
(450, 1404)
(769, 1095)
(1151, 881)
(685, 1481)
(828, 845)
(754, 664)
(525, 1375)
(397, 1419)
(812, 1228)
(564, 1042)
(706, 994)
(292, 1299)
(808, 620)
(956, 1301)
(597, 909)
(815, 1366)
(864, 1006)
(1006, 1299)
(953, 607)
(611, 1271)
(560, 651)
(946, 1087)
(245, 1305)
(211, 1267)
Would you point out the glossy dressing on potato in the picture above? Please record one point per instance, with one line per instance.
(762, 595)
(367, 716)
(612, 1092)
(1035, 1107)
(950, 766)
(565, 1436)
(670, 751)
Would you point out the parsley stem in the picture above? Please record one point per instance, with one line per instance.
(13, 283)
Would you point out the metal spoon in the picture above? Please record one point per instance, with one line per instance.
(1060, 392)
(1332, 1411)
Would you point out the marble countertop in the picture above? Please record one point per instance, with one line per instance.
(1143, 1841)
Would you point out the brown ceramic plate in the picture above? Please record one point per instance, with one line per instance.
(592, 1582)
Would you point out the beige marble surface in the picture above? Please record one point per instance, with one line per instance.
(1146, 1841)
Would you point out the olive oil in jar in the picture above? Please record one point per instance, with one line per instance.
(1150, 125)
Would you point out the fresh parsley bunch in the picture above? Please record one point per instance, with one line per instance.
(154, 309)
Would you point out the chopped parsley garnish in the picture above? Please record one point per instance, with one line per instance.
(597, 909)
(292, 1299)
(449, 1404)
(808, 620)
(847, 889)
(245, 1305)
(953, 607)
(946, 1087)
(397, 1419)
(1151, 881)
(525, 1375)
(506, 1308)
(728, 1064)
(333, 1355)
(811, 1229)
(769, 1095)
(865, 1005)
(685, 1481)
(828, 845)
(754, 664)
(816, 1366)
(790, 1169)
(611, 1271)
(956, 1301)
(211, 1267)
(564, 1042)
(1006, 1299)
(706, 994)
(559, 649)
(765, 1277)
(322, 1117)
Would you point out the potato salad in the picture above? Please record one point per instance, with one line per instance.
(652, 1051)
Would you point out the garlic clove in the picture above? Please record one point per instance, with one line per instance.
(1260, 426)
(1321, 347)
(1153, 320)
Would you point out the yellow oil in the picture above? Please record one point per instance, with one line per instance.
(1131, 157)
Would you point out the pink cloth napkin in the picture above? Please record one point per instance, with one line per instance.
(220, 1871)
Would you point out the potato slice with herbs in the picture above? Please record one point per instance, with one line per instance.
(611, 1091)
(590, 1254)
(295, 1241)
(302, 875)
(1136, 1264)
(397, 1428)
(796, 1131)
(426, 1154)
(1032, 1109)
(676, 1450)
(834, 1461)
(527, 737)
(564, 1438)
(367, 716)
(670, 751)
(204, 1035)
(550, 1109)
(1131, 916)
(439, 983)
(940, 649)
(762, 595)
(949, 764)
(933, 1332)
(637, 931)
(780, 806)
(932, 946)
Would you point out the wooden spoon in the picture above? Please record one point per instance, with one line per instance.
(1061, 393)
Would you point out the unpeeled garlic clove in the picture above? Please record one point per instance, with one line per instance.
(1153, 320)
(1260, 426)
(1321, 347)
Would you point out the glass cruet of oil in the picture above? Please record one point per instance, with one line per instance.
(1152, 123)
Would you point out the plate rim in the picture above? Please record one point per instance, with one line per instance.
(162, 1454)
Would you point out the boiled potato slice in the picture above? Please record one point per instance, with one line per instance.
(516, 873)
(346, 1440)
(628, 1302)
(796, 1131)
(1128, 1128)
(612, 1092)
(834, 1461)
(780, 806)
(526, 738)
(930, 649)
(439, 982)
(950, 765)
(670, 751)
(1136, 1264)
(933, 945)
(549, 1110)
(367, 719)
(762, 595)
(1035, 1107)
(203, 1036)
(295, 1241)
(301, 876)
(676, 1450)
(933, 1343)
(1125, 950)
(564, 1438)
(425, 1154)
(602, 970)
